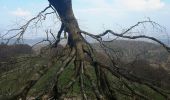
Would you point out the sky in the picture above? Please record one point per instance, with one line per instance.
(94, 16)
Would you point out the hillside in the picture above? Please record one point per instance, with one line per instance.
(143, 59)
(128, 51)
(9, 52)
(147, 65)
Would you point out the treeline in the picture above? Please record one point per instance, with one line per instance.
(8, 51)
(8, 54)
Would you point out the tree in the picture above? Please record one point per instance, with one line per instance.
(86, 62)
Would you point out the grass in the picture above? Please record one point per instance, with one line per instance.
(15, 80)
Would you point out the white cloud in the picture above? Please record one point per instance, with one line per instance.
(119, 8)
(93, 13)
(142, 5)
(115, 6)
(21, 13)
(99, 8)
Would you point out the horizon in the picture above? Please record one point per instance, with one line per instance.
(32, 42)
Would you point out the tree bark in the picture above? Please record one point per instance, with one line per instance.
(68, 20)
(65, 12)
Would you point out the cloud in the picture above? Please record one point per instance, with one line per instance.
(119, 8)
(99, 8)
(114, 6)
(93, 13)
(142, 5)
(21, 13)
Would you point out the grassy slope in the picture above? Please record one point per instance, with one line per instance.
(16, 78)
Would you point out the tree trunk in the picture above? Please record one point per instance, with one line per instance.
(65, 12)
(75, 40)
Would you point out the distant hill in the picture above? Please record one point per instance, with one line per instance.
(143, 59)
(25, 41)
(9, 52)
(89, 39)
(128, 51)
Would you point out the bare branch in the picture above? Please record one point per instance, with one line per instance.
(23, 28)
